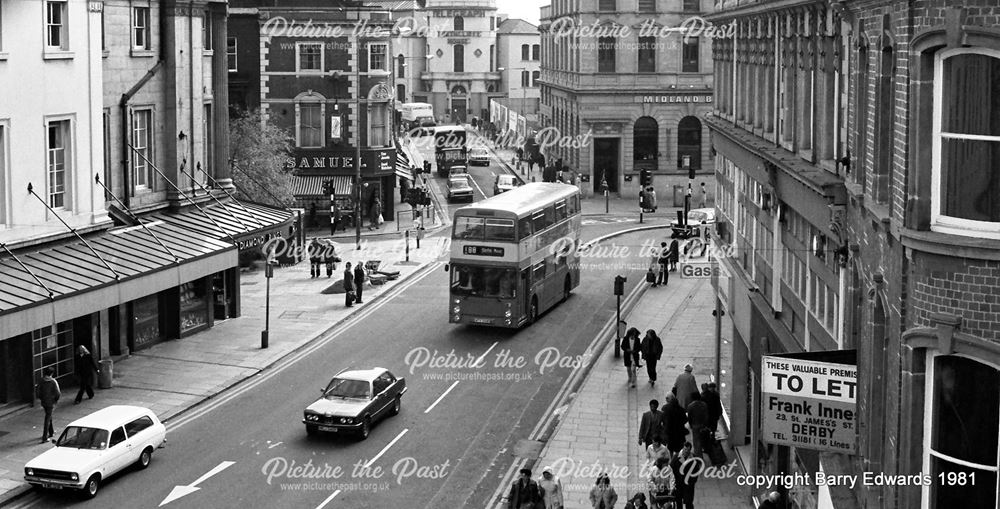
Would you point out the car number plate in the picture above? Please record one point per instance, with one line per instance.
(482, 320)
(328, 428)
(52, 486)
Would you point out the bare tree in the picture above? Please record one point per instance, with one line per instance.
(258, 151)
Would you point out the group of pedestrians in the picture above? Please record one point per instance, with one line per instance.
(545, 493)
(635, 350)
(663, 433)
(354, 283)
(663, 261)
(48, 391)
(322, 254)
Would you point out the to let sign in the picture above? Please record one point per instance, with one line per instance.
(809, 404)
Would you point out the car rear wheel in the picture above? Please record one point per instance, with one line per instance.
(93, 484)
(366, 428)
(396, 403)
(145, 457)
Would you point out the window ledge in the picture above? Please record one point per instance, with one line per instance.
(58, 55)
(144, 53)
(4, 55)
(878, 212)
(105, 53)
(951, 245)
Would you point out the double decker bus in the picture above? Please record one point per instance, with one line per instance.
(513, 256)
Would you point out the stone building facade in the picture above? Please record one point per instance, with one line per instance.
(629, 94)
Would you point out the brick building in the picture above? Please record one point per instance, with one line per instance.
(854, 145)
(632, 94)
(305, 80)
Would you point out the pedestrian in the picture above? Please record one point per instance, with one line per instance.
(661, 482)
(704, 195)
(674, 420)
(686, 469)
(602, 495)
(638, 501)
(348, 285)
(312, 215)
(652, 349)
(376, 214)
(657, 450)
(685, 385)
(86, 369)
(330, 259)
(697, 413)
(631, 349)
(653, 274)
(649, 424)
(674, 254)
(710, 395)
(315, 258)
(771, 501)
(524, 493)
(552, 490)
(651, 198)
(335, 219)
(663, 260)
(359, 280)
(48, 395)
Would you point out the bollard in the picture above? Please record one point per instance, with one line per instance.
(407, 245)
(640, 217)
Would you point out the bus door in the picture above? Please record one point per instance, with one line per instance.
(525, 291)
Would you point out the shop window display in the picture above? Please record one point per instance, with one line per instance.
(146, 321)
(194, 308)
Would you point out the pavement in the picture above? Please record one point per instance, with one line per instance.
(598, 432)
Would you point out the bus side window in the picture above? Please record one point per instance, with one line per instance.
(523, 228)
(538, 221)
(572, 205)
(538, 274)
(550, 215)
(561, 210)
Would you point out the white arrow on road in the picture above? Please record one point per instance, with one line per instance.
(180, 491)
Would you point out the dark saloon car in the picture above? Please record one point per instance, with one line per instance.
(354, 400)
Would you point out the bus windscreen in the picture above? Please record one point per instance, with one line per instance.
(477, 281)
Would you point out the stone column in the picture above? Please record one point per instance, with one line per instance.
(220, 97)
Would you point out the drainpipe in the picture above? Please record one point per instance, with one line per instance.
(123, 105)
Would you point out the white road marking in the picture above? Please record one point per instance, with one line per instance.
(440, 398)
(328, 499)
(180, 491)
(479, 360)
(272, 446)
(386, 448)
(477, 186)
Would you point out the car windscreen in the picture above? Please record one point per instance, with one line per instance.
(697, 216)
(343, 388)
(83, 438)
(483, 281)
(506, 180)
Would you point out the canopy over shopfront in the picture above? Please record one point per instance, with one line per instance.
(248, 225)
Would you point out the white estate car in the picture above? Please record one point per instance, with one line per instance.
(94, 447)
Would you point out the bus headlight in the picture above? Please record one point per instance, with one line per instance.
(456, 310)
(457, 301)
(507, 313)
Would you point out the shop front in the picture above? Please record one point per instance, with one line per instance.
(313, 168)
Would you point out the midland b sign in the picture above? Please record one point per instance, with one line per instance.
(809, 404)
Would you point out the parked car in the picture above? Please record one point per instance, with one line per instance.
(504, 183)
(354, 400)
(479, 155)
(697, 221)
(93, 448)
(459, 187)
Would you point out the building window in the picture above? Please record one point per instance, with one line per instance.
(140, 28)
(459, 55)
(106, 117)
(309, 57)
(492, 59)
(3, 173)
(861, 118)
(493, 23)
(208, 148)
(647, 5)
(692, 6)
(689, 143)
(536, 52)
(378, 125)
(400, 66)
(231, 54)
(689, 55)
(401, 93)
(606, 5)
(459, 23)
(142, 147)
(55, 26)
(647, 54)
(962, 426)
(525, 79)
(606, 54)
(883, 136)
(59, 162)
(525, 52)
(309, 126)
(645, 143)
(378, 57)
(535, 75)
(966, 144)
(53, 349)
(206, 31)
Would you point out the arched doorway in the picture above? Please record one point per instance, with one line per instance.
(459, 104)
(689, 142)
(645, 142)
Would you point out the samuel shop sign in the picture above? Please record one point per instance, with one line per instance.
(373, 162)
(809, 404)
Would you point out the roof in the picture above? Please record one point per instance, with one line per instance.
(365, 375)
(114, 414)
(524, 199)
(226, 220)
(516, 26)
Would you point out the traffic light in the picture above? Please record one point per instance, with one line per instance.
(691, 173)
(620, 285)
(328, 187)
(645, 178)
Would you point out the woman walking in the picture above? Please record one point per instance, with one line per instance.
(603, 495)
(631, 349)
(552, 490)
(86, 368)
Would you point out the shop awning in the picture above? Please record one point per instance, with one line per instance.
(245, 223)
(130, 263)
(403, 165)
(312, 185)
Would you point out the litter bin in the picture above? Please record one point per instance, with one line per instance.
(105, 376)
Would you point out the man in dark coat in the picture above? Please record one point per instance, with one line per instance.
(710, 395)
(686, 468)
(663, 261)
(48, 395)
(652, 349)
(315, 258)
(697, 414)
(524, 493)
(335, 222)
(86, 368)
(674, 255)
(649, 425)
(674, 420)
(348, 285)
(359, 279)
(329, 259)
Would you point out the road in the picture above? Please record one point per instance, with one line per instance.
(449, 446)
